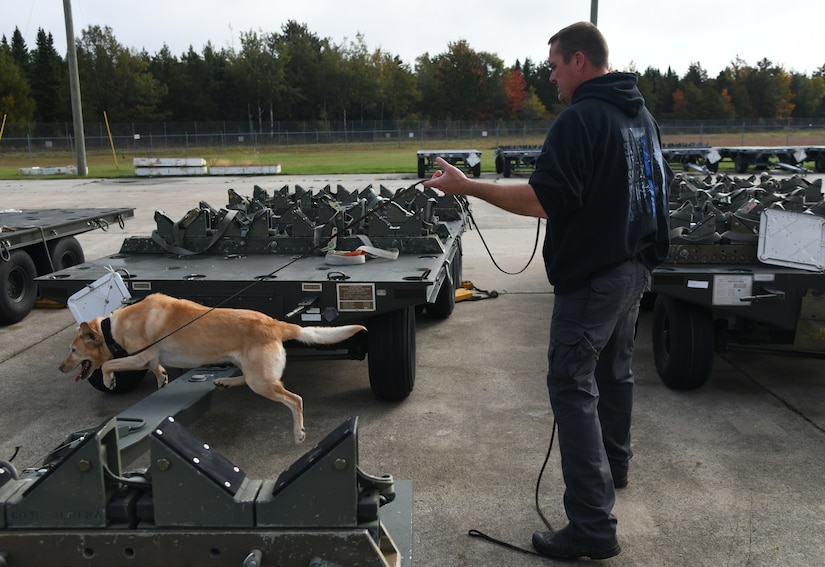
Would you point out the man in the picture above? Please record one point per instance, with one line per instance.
(601, 183)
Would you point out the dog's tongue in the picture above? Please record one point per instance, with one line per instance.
(83, 368)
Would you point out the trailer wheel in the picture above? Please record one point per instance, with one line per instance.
(476, 170)
(66, 253)
(499, 164)
(125, 381)
(507, 169)
(18, 291)
(741, 163)
(391, 353)
(445, 300)
(421, 171)
(819, 163)
(683, 343)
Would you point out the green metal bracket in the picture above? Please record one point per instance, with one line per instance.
(192, 505)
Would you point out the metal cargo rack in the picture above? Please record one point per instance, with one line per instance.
(467, 160)
(516, 159)
(789, 158)
(723, 287)
(691, 157)
(192, 505)
(39, 241)
(271, 253)
(706, 158)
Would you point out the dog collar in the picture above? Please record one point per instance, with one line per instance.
(116, 350)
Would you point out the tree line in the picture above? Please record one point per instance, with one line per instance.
(294, 75)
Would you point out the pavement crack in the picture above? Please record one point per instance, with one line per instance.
(776, 396)
(35, 344)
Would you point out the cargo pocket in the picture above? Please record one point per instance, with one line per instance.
(572, 365)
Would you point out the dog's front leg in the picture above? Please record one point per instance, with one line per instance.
(160, 373)
(136, 362)
(108, 376)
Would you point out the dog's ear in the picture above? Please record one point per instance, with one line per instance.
(88, 334)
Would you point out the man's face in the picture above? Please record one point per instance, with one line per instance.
(564, 75)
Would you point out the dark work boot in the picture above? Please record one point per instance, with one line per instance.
(558, 544)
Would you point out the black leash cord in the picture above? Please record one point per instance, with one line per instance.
(482, 535)
(478, 533)
(318, 246)
(490, 254)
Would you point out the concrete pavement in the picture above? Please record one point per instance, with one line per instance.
(730, 474)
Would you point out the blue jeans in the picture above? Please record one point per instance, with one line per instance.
(590, 382)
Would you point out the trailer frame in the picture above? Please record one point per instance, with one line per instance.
(36, 242)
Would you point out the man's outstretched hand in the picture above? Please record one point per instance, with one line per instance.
(448, 179)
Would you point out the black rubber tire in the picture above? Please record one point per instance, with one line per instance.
(445, 300)
(125, 381)
(741, 163)
(507, 170)
(499, 164)
(683, 343)
(421, 172)
(477, 170)
(391, 353)
(819, 163)
(66, 253)
(18, 291)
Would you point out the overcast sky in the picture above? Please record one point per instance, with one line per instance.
(641, 33)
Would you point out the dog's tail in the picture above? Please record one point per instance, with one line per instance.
(327, 335)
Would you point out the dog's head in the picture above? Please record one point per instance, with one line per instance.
(88, 350)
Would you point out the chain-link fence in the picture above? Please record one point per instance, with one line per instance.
(161, 137)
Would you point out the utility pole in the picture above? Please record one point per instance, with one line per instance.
(74, 88)
(594, 12)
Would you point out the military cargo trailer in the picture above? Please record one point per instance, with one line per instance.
(192, 505)
(516, 159)
(745, 271)
(307, 258)
(35, 242)
(706, 159)
(469, 161)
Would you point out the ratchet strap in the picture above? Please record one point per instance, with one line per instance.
(359, 255)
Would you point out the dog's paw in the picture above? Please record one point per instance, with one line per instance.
(109, 381)
(220, 383)
(300, 437)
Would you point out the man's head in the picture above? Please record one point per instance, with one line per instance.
(578, 53)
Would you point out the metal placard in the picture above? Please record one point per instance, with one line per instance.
(729, 288)
(356, 296)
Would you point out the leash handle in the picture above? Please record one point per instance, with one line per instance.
(482, 535)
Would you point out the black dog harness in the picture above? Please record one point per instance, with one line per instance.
(116, 350)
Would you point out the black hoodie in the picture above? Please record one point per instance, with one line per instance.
(603, 182)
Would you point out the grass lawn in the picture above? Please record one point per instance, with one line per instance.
(335, 159)
(293, 160)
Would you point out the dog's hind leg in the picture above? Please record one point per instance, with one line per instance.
(263, 371)
(277, 393)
